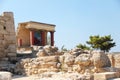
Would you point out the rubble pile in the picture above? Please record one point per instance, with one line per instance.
(50, 59)
(44, 62)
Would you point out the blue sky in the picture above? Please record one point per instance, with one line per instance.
(75, 20)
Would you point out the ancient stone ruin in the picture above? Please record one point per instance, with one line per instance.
(7, 39)
(34, 33)
(75, 64)
(47, 62)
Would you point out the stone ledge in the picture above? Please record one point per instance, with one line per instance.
(106, 75)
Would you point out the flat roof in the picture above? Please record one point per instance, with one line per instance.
(37, 23)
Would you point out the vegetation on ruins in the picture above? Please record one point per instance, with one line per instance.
(83, 46)
(63, 48)
(104, 43)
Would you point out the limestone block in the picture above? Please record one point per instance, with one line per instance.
(41, 70)
(49, 59)
(12, 48)
(1, 43)
(5, 76)
(1, 35)
(83, 60)
(106, 75)
(112, 60)
(48, 65)
(69, 60)
(47, 48)
(9, 37)
(11, 42)
(1, 49)
(1, 38)
(11, 54)
(2, 54)
(115, 79)
(117, 60)
(4, 59)
(100, 59)
(41, 53)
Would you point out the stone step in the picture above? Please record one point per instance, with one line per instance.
(114, 79)
(106, 75)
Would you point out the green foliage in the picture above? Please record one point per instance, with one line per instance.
(84, 47)
(103, 43)
(63, 48)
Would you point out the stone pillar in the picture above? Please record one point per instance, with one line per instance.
(52, 38)
(43, 38)
(31, 38)
(19, 42)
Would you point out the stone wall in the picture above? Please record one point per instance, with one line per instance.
(75, 64)
(23, 34)
(49, 58)
(7, 37)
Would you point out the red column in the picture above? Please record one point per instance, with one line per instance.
(43, 38)
(46, 38)
(31, 38)
(19, 42)
(52, 38)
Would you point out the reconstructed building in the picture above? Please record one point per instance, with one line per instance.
(7, 37)
(34, 33)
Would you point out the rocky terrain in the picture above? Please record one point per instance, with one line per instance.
(79, 64)
(49, 63)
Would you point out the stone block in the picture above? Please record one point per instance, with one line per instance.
(115, 79)
(5, 76)
(9, 37)
(11, 42)
(106, 75)
(1, 37)
(49, 58)
(48, 65)
(117, 60)
(4, 59)
(11, 54)
(41, 70)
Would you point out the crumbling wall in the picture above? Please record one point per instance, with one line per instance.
(7, 37)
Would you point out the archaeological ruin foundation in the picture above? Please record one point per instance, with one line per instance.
(45, 61)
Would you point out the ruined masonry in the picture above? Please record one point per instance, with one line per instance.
(7, 38)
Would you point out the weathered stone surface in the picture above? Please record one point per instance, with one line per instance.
(41, 53)
(7, 38)
(31, 66)
(117, 60)
(115, 79)
(5, 76)
(69, 59)
(86, 63)
(100, 60)
(83, 60)
(106, 75)
(112, 59)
